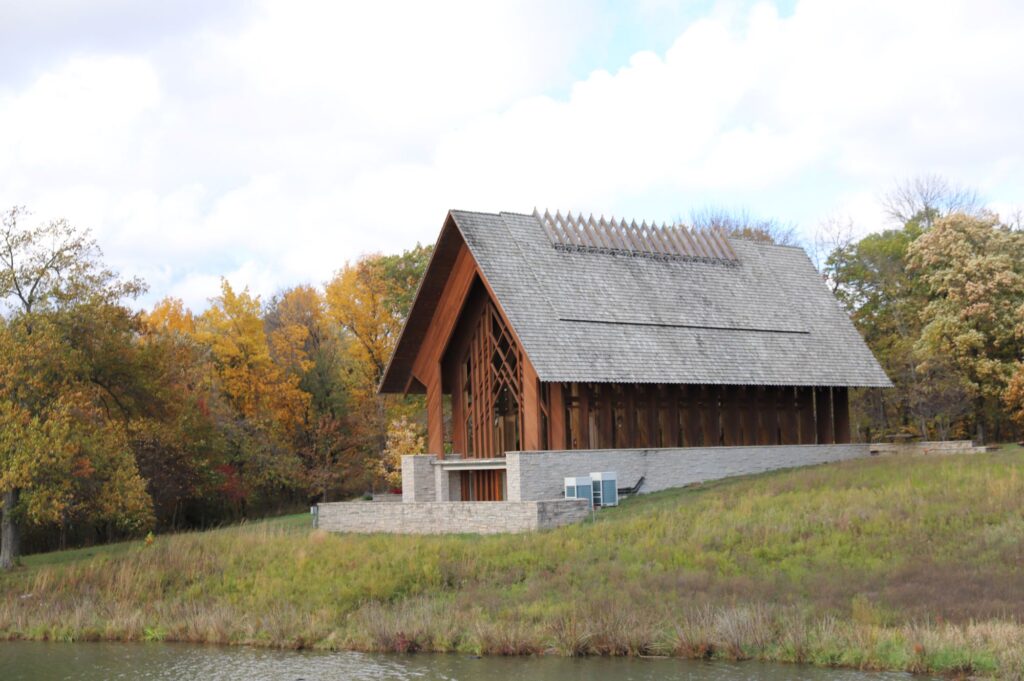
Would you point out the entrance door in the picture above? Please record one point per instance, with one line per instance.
(482, 485)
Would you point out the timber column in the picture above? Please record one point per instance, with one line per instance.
(435, 414)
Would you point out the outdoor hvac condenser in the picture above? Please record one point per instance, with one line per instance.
(579, 488)
(605, 488)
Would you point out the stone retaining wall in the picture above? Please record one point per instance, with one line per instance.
(934, 447)
(418, 478)
(539, 475)
(481, 517)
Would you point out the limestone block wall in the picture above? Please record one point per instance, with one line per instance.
(539, 475)
(934, 447)
(447, 484)
(418, 482)
(481, 517)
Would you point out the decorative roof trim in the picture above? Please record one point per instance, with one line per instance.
(618, 237)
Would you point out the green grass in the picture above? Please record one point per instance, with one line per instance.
(37, 560)
(887, 563)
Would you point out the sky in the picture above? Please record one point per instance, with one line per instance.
(272, 141)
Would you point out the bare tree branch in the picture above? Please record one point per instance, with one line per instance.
(741, 224)
(928, 197)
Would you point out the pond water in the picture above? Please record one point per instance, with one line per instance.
(26, 661)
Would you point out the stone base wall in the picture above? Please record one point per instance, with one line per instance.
(484, 517)
(418, 482)
(934, 447)
(540, 475)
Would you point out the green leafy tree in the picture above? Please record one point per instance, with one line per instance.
(870, 277)
(69, 387)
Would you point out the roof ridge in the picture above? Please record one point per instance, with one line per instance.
(767, 244)
(617, 235)
(473, 212)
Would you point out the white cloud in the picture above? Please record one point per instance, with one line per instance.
(273, 149)
(81, 117)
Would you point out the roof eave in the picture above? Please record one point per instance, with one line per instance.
(399, 384)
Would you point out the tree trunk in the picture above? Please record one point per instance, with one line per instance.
(62, 543)
(10, 533)
(979, 418)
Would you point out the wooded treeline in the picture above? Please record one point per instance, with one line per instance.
(115, 421)
(939, 298)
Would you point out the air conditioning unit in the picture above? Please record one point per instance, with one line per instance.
(604, 486)
(579, 488)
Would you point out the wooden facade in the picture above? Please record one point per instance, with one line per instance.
(471, 354)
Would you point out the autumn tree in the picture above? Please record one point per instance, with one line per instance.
(369, 301)
(71, 385)
(306, 345)
(404, 437)
(268, 408)
(892, 302)
(179, 446)
(974, 273)
(1014, 395)
(871, 279)
(326, 446)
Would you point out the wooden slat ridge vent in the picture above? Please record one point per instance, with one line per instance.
(669, 242)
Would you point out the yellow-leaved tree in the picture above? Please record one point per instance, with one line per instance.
(369, 301)
(404, 437)
(270, 409)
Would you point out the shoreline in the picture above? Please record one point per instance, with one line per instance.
(891, 648)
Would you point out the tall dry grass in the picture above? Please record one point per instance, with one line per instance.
(881, 564)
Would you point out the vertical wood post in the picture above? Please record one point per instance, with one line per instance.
(823, 415)
(731, 416)
(630, 426)
(607, 416)
(584, 416)
(653, 402)
(692, 417)
(805, 409)
(788, 416)
(841, 414)
(749, 414)
(672, 407)
(556, 417)
(435, 414)
(712, 418)
(458, 415)
(530, 407)
(768, 413)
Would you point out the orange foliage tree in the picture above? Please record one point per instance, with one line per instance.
(269, 409)
(369, 301)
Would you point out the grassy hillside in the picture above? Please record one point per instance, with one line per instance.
(900, 563)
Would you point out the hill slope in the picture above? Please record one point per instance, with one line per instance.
(899, 563)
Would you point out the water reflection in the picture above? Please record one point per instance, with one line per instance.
(22, 661)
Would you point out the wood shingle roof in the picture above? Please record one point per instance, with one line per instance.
(744, 313)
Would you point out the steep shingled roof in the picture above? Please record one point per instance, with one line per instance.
(749, 314)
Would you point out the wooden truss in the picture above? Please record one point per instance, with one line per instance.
(492, 380)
